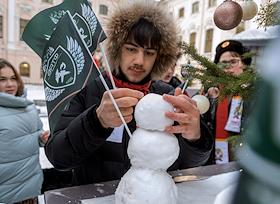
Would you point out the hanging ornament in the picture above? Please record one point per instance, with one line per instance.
(250, 9)
(185, 70)
(202, 103)
(228, 15)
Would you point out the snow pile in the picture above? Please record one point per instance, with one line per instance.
(151, 152)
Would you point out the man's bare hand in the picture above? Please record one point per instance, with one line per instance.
(186, 114)
(125, 98)
(45, 136)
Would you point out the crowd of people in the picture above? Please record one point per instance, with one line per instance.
(143, 49)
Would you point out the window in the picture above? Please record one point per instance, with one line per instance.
(24, 69)
(195, 7)
(181, 12)
(103, 10)
(192, 39)
(22, 24)
(48, 1)
(212, 3)
(208, 40)
(1, 26)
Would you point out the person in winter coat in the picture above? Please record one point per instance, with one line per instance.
(89, 138)
(227, 117)
(169, 77)
(21, 134)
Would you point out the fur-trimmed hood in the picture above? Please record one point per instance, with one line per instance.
(125, 17)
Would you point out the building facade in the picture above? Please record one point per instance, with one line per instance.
(194, 17)
(195, 20)
(14, 15)
(197, 27)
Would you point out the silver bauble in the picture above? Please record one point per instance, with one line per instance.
(250, 9)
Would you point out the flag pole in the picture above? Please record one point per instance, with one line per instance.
(185, 86)
(104, 82)
(107, 67)
(113, 100)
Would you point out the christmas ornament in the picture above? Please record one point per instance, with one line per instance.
(202, 103)
(269, 14)
(184, 70)
(228, 15)
(250, 9)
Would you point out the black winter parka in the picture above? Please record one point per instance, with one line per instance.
(79, 140)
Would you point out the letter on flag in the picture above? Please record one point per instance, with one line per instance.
(67, 67)
(40, 28)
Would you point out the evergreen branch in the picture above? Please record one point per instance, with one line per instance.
(212, 75)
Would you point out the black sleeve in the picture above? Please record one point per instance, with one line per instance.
(210, 116)
(194, 153)
(77, 135)
(160, 87)
(198, 151)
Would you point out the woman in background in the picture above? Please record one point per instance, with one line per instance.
(21, 135)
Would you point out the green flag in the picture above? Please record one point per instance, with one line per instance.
(67, 67)
(40, 28)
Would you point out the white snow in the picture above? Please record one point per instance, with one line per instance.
(190, 192)
(152, 149)
(150, 112)
(144, 186)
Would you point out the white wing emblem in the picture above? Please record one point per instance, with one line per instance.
(90, 17)
(76, 51)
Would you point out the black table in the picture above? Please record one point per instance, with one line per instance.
(74, 195)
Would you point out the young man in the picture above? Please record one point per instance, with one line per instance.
(229, 56)
(90, 139)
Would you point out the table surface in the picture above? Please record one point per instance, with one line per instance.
(73, 195)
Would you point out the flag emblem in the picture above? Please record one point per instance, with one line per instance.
(62, 71)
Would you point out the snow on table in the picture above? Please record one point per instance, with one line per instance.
(194, 192)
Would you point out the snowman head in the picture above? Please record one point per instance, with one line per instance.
(150, 112)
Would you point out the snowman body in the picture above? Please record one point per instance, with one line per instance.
(151, 152)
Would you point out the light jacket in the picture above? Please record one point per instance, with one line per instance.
(21, 176)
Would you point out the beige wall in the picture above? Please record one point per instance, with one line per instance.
(15, 50)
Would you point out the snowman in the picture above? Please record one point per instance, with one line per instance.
(151, 152)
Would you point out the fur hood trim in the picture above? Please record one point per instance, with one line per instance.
(125, 17)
